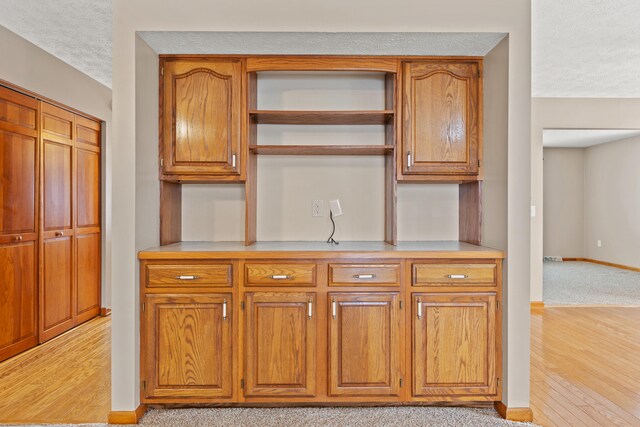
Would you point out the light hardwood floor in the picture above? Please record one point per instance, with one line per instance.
(585, 371)
(585, 366)
(66, 380)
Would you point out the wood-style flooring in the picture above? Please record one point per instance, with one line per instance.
(65, 380)
(585, 371)
(585, 366)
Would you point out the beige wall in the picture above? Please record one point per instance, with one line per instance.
(564, 199)
(26, 65)
(612, 202)
(331, 15)
(567, 113)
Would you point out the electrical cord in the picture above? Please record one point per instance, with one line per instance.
(333, 231)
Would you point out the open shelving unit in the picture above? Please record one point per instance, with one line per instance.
(386, 117)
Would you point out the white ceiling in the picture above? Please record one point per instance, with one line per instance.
(581, 138)
(585, 48)
(76, 31)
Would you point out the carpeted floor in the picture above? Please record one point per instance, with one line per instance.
(322, 417)
(576, 282)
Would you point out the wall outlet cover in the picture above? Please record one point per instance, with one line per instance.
(317, 208)
(335, 207)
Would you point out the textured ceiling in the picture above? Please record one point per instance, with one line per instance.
(580, 48)
(473, 44)
(76, 31)
(586, 48)
(580, 138)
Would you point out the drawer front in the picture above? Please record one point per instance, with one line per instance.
(167, 275)
(275, 274)
(364, 274)
(454, 274)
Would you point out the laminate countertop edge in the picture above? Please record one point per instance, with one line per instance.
(319, 250)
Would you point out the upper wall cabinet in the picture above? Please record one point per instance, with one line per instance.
(441, 112)
(201, 120)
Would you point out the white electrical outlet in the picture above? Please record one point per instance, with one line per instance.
(317, 208)
(335, 207)
(599, 243)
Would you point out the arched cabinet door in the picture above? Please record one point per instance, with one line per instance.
(441, 118)
(201, 120)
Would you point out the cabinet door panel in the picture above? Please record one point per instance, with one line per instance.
(57, 158)
(88, 176)
(441, 118)
(454, 344)
(280, 344)
(56, 296)
(202, 117)
(364, 340)
(18, 298)
(188, 344)
(17, 167)
(87, 276)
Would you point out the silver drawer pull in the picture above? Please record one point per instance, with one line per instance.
(224, 309)
(457, 276)
(310, 308)
(187, 277)
(280, 276)
(333, 308)
(419, 309)
(364, 276)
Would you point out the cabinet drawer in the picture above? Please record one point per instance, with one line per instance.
(454, 274)
(273, 274)
(166, 275)
(364, 274)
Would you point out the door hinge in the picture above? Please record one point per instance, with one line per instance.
(498, 381)
(401, 382)
(143, 306)
(144, 385)
(479, 163)
(498, 305)
(479, 73)
(242, 305)
(162, 71)
(242, 383)
(401, 305)
(162, 162)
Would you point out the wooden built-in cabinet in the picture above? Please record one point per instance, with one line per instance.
(441, 114)
(202, 120)
(264, 332)
(50, 269)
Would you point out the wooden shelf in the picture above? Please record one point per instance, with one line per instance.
(326, 150)
(350, 117)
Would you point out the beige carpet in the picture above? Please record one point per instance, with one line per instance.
(321, 417)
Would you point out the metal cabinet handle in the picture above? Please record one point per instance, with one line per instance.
(419, 309)
(233, 161)
(364, 276)
(333, 308)
(187, 277)
(224, 309)
(310, 308)
(59, 233)
(280, 276)
(17, 239)
(457, 276)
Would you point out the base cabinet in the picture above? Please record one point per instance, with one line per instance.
(454, 344)
(210, 335)
(280, 348)
(364, 344)
(189, 346)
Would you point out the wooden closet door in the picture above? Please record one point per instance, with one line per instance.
(454, 344)
(19, 116)
(57, 290)
(88, 241)
(202, 118)
(364, 344)
(441, 118)
(280, 333)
